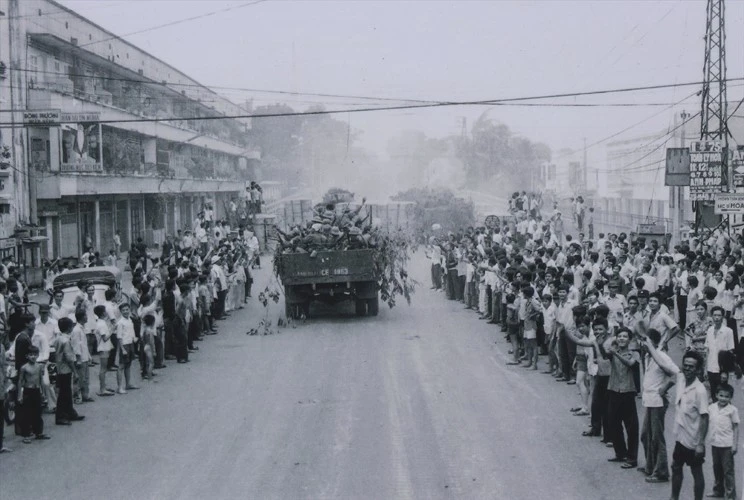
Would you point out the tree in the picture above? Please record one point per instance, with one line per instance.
(493, 155)
(438, 206)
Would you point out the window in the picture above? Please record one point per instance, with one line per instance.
(67, 25)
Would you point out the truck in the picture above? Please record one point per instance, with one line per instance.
(330, 277)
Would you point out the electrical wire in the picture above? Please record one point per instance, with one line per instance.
(407, 106)
(173, 23)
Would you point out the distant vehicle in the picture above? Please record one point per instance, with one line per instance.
(330, 277)
(101, 277)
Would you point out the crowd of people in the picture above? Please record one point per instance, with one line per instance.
(602, 314)
(175, 300)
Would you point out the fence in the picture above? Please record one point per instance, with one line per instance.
(617, 215)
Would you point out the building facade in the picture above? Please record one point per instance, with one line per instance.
(112, 138)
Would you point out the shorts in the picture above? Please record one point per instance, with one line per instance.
(530, 334)
(127, 354)
(684, 455)
(581, 362)
(513, 328)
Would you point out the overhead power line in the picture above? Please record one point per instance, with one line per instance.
(173, 23)
(406, 106)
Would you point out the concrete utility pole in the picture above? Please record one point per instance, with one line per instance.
(676, 193)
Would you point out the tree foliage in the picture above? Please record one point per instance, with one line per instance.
(438, 206)
(492, 154)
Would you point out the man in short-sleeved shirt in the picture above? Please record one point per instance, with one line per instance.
(690, 426)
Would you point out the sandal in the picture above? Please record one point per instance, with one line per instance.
(26, 440)
(581, 413)
(629, 465)
(574, 410)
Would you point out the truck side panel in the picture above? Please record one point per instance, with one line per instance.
(328, 267)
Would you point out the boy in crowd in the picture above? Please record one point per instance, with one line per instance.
(126, 337)
(723, 436)
(103, 338)
(148, 345)
(29, 397)
(79, 342)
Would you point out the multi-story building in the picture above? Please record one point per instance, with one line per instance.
(112, 137)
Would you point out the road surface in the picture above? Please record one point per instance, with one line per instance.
(416, 403)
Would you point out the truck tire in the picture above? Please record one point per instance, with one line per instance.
(360, 307)
(373, 306)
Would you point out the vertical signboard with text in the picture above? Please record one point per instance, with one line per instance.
(737, 166)
(707, 176)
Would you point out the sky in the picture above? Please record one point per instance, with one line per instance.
(443, 51)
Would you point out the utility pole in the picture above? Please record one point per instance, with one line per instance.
(676, 193)
(714, 112)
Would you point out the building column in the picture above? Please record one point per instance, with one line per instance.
(97, 206)
(79, 234)
(49, 223)
(129, 221)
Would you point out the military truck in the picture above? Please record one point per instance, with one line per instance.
(329, 277)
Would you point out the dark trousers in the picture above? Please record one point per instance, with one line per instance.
(169, 337)
(248, 281)
(180, 336)
(159, 348)
(600, 422)
(221, 296)
(472, 295)
(460, 288)
(564, 352)
(436, 276)
(682, 308)
(489, 301)
(496, 306)
(2, 421)
(194, 330)
(65, 410)
(622, 413)
(724, 473)
(714, 379)
(654, 444)
(92, 342)
(31, 420)
(112, 352)
(451, 284)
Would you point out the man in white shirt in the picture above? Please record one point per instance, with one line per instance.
(690, 426)
(719, 338)
(43, 338)
(659, 378)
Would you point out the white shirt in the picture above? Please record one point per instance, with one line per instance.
(655, 379)
(125, 331)
(717, 341)
(103, 331)
(691, 402)
(49, 329)
(721, 425)
(40, 340)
